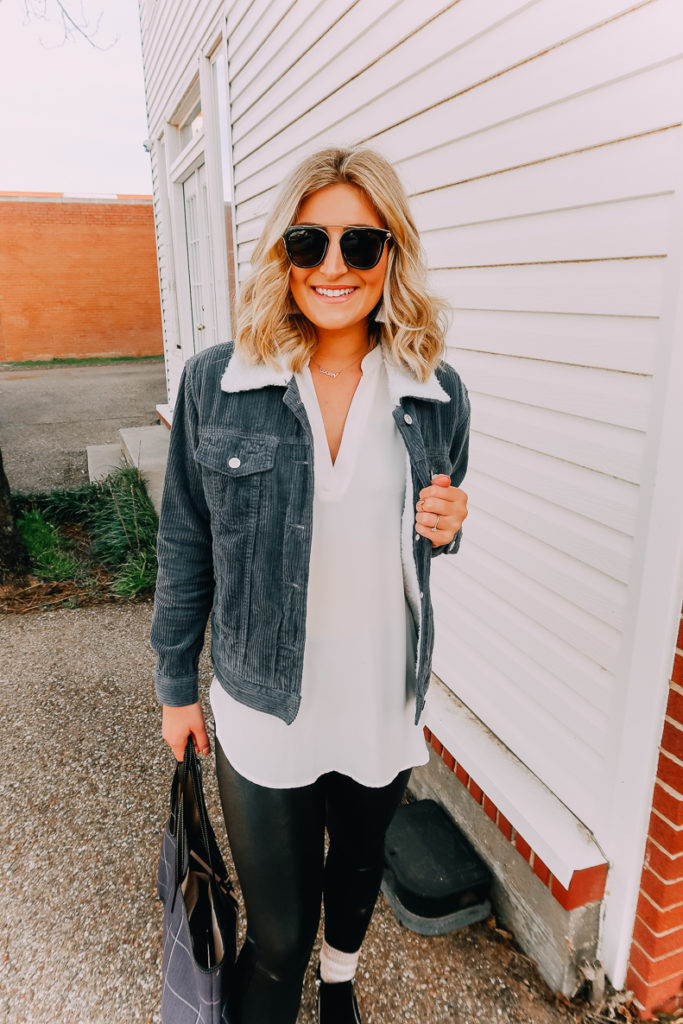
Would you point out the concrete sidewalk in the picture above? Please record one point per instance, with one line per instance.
(85, 781)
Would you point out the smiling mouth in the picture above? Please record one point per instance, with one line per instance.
(334, 293)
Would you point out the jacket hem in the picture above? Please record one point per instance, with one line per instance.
(260, 698)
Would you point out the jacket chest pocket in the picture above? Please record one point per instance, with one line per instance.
(233, 468)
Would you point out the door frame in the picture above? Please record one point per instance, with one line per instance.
(204, 233)
(203, 149)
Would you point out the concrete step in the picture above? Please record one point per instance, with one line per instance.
(147, 448)
(103, 459)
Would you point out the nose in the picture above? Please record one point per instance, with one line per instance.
(333, 265)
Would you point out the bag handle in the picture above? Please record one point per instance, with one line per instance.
(190, 771)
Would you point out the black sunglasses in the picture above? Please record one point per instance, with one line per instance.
(361, 248)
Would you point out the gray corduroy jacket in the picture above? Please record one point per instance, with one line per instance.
(236, 522)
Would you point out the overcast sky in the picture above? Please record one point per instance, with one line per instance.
(73, 117)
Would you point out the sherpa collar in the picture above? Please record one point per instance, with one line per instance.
(241, 376)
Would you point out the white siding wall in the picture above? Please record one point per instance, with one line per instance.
(174, 34)
(539, 144)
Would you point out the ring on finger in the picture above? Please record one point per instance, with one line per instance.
(436, 524)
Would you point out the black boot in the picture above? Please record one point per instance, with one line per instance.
(337, 1002)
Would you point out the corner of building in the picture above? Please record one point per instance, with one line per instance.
(557, 926)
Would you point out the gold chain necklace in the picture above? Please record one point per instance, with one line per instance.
(335, 373)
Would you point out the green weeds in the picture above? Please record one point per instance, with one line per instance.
(123, 522)
(47, 548)
(117, 528)
(137, 575)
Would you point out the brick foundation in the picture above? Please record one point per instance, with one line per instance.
(586, 886)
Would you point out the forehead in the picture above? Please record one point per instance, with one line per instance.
(338, 204)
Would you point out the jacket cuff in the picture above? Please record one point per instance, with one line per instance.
(176, 691)
(449, 549)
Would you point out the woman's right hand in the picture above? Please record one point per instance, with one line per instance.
(179, 723)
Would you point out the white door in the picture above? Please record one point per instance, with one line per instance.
(200, 260)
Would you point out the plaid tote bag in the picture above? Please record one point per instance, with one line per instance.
(200, 911)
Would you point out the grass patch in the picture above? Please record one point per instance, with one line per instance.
(74, 506)
(47, 548)
(101, 538)
(124, 521)
(85, 361)
(137, 575)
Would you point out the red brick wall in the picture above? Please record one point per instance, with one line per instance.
(655, 972)
(587, 885)
(77, 278)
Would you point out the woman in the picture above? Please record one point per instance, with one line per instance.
(313, 472)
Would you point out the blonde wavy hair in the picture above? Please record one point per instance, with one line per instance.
(270, 328)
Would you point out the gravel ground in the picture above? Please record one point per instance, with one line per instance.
(86, 779)
(85, 776)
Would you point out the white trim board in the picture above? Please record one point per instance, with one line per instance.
(562, 842)
(165, 414)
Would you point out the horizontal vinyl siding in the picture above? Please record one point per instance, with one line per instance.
(171, 37)
(539, 145)
(164, 260)
(172, 31)
(457, 87)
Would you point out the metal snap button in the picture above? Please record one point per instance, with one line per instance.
(234, 462)
(408, 418)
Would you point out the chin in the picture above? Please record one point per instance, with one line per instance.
(337, 321)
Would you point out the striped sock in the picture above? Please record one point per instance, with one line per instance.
(336, 965)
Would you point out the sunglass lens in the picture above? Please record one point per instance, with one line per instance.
(362, 247)
(306, 247)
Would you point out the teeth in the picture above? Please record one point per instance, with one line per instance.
(334, 293)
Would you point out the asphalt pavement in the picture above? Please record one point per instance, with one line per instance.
(49, 414)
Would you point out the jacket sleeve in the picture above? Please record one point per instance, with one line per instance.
(185, 583)
(459, 455)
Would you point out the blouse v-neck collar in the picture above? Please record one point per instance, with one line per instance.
(332, 478)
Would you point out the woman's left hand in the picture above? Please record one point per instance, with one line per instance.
(443, 506)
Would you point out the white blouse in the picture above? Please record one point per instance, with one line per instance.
(358, 687)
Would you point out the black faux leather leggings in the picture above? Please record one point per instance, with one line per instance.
(277, 842)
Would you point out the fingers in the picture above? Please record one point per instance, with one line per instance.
(436, 521)
(201, 741)
(201, 746)
(438, 501)
(177, 723)
(437, 492)
(438, 536)
(440, 510)
(440, 507)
